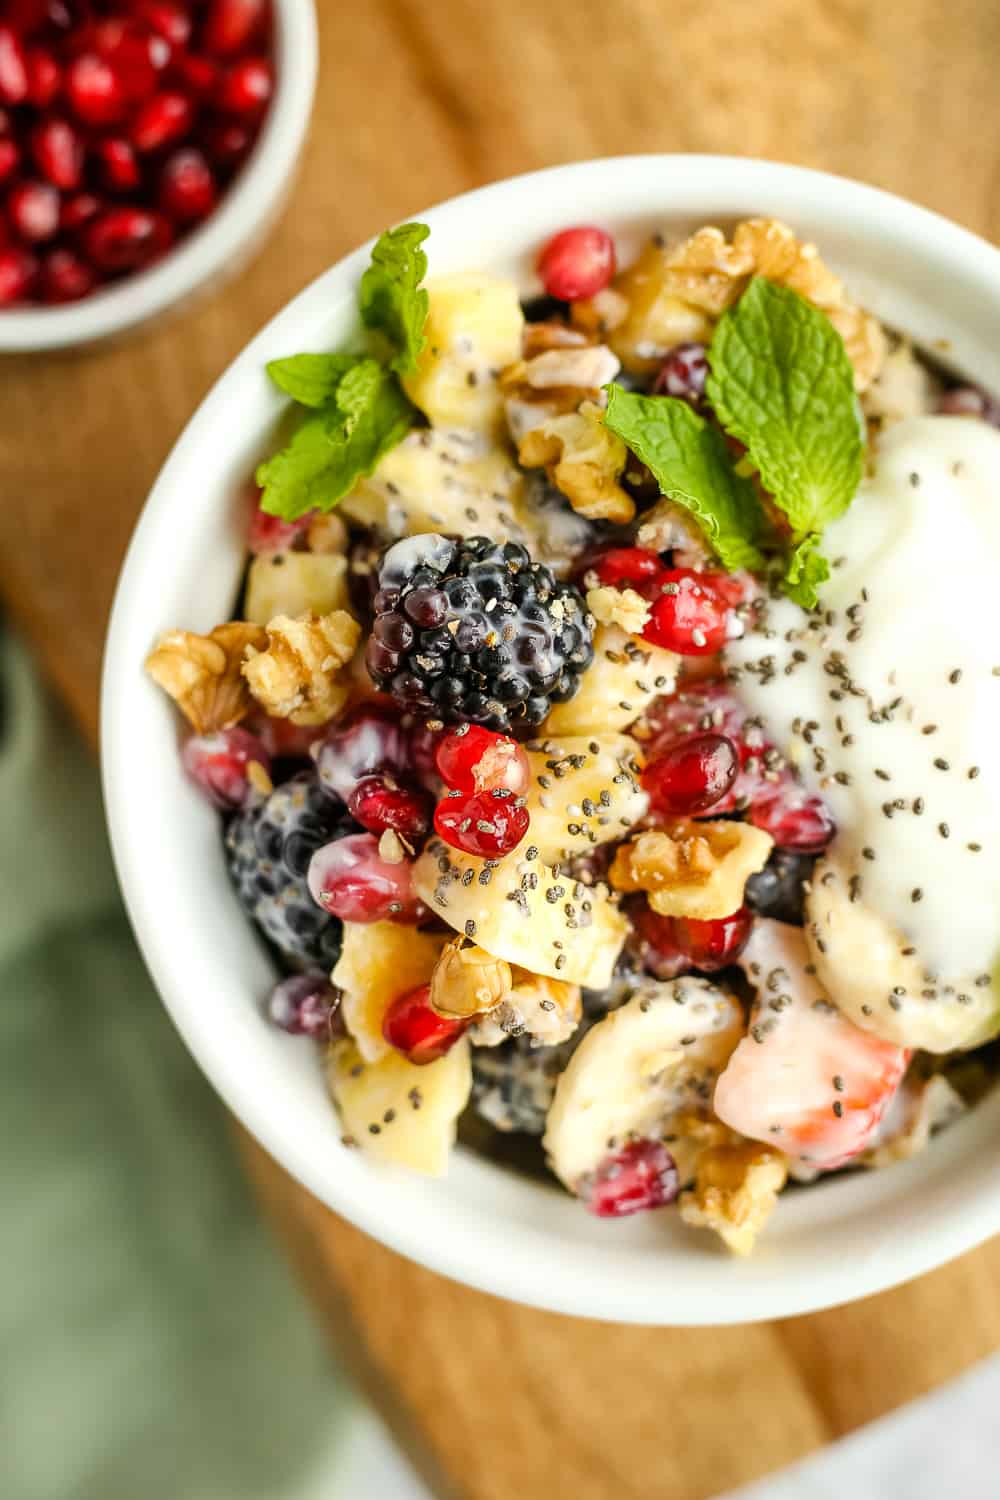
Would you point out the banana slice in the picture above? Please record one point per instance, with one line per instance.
(655, 1056)
(524, 910)
(295, 583)
(623, 679)
(473, 329)
(398, 1112)
(378, 962)
(584, 790)
(876, 977)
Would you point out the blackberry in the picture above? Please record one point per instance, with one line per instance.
(269, 848)
(778, 890)
(513, 1084)
(475, 632)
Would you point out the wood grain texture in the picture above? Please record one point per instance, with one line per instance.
(417, 102)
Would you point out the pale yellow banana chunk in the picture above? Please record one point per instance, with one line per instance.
(295, 583)
(623, 679)
(380, 961)
(584, 791)
(398, 1112)
(473, 330)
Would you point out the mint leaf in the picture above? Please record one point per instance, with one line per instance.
(337, 444)
(689, 459)
(805, 569)
(311, 379)
(781, 382)
(392, 300)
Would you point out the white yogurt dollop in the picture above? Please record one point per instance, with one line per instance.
(891, 707)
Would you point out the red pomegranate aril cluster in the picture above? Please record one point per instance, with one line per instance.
(577, 263)
(414, 1028)
(669, 946)
(121, 123)
(630, 567)
(487, 824)
(640, 1176)
(688, 616)
(691, 775)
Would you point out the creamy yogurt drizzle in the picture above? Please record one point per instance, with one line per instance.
(889, 702)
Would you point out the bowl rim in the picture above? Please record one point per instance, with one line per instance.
(367, 1199)
(210, 248)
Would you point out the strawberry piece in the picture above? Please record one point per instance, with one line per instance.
(804, 1079)
(415, 1029)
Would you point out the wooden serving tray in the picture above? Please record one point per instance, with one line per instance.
(418, 102)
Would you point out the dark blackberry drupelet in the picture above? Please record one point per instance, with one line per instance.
(778, 890)
(475, 632)
(269, 848)
(513, 1084)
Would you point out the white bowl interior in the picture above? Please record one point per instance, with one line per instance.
(484, 1225)
(220, 245)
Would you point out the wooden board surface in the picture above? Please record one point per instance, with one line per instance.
(418, 102)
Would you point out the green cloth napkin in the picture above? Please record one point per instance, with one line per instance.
(153, 1345)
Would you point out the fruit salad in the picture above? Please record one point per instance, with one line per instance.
(603, 741)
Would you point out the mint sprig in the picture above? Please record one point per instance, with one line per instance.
(338, 443)
(311, 379)
(781, 383)
(393, 303)
(690, 461)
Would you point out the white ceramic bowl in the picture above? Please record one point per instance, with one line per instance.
(833, 1242)
(221, 245)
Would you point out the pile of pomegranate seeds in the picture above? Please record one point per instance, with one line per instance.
(121, 123)
(413, 1027)
(486, 774)
(642, 1175)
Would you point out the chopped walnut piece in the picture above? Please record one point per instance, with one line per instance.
(202, 673)
(554, 382)
(735, 1191)
(468, 981)
(547, 1010)
(538, 337)
(622, 607)
(583, 459)
(298, 676)
(666, 527)
(688, 1134)
(677, 293)
(693, 869)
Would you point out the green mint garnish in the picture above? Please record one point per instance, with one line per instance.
(805, 569)
(782, 383)
(311, 379)
(393, 302)
(337, 443)
(690, 462)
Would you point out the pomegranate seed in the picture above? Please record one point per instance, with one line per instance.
(712, 945)
(692, 775)
(655, 940)
(487, 824)
(33, 208)
(187, 189)
(25, 16)
(77, 211)
(18, 269)
(970, 401)
(13, 68)
(231, 24)
(58, 152)
(369, 738)
(630, 567)
(415, 1029)
(65, 277)
(691, 617)
(247, 87)
(272, 534)
(307, 1005)
(472, 759)
(284, 740)
(349, 878)
(577, 263)
(166, 19)
(162, 119)
(220, 765)
(196, 75)
(94, 91)
(123, 239)
(119, 164)
(793, 817)
(10, 156)
(642, 1175)
(44, 77)
(379, 802)
(136, 56)
(683, 374)
(228, 142)
(709, 704)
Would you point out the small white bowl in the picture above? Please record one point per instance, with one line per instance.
(221, 245)
(839, 1240)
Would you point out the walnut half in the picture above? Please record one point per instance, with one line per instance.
(584, 459)
(692, 869)
(735, 1191)
(203, 673)
(298, 676)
